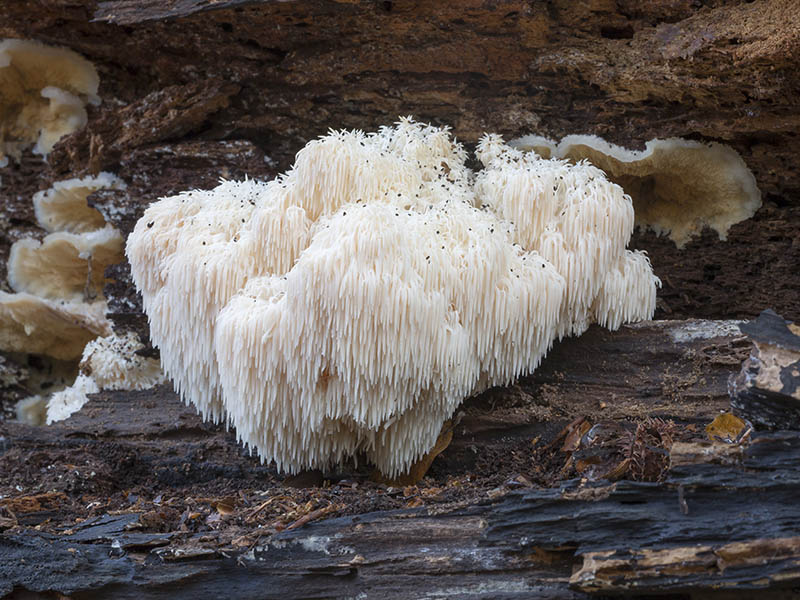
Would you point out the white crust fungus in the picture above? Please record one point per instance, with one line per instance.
(353, 303)
(107, 363)
(678, 186)
(43, 93)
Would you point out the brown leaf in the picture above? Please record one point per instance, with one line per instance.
(573, 439)
(564, 433)
(226, 506)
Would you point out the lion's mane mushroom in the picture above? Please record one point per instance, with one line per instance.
(353, 303)
(678, 186)
(43, 92)
(581, 223)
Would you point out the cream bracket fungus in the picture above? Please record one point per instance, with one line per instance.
(352, 304)
(64, 265)
(60, 329)
(64, 206)
(43, 94)
(70, 262)
(678, 186)
(55, 278)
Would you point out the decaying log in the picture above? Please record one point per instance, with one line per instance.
(767, 389)
(273, 75)
(723, 518)
(669, 369)
(707, 528)
(136, 497)
(162, 115)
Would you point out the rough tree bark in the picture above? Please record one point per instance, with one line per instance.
(722, 519)
(686, 535)
(182, 81)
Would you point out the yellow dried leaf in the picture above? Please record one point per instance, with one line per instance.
(727, 428)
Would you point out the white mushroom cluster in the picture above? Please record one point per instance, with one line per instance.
(350, 305)
(581, 223)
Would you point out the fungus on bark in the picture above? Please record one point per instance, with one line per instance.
(59, 329)
(678, 186)
(59, 280)
(353, 303)
(32, 410)
(71, 261)
(64, 207)
(107, 363)
(43, 93)
(65, 265)
(578, 221)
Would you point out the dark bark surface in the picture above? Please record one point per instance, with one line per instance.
(767, 390)
(688, 534)
(194, 90)
(593, 475)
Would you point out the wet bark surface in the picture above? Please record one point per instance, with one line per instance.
(767, 389)
(569, 542)
(136, 497)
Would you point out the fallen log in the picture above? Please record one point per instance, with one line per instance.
(739, 533)
(669, 369)
(193, 91)
(134, 496)
(767, 389)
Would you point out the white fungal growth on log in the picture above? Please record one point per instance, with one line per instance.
(64, 265)
(59, 306)
(64, 206)
(107, 363)
(353, 303)
(60, 329)
(581, 223)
